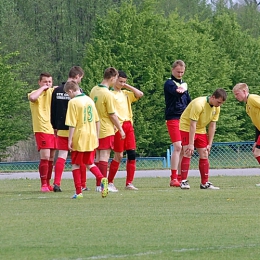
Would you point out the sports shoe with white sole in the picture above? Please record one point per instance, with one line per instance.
(98, 188)
(112, 187)
(104, 187)
(77, 196)
(209, 186)
(130, 186)
(184, 185)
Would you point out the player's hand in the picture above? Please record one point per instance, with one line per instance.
(189, 150)
(70, 145)
(180, 90)
(122, 133)
(45, 87)
(208, 149)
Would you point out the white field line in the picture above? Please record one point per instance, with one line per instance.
(182, 250)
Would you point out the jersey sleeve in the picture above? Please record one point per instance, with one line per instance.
(71, 119)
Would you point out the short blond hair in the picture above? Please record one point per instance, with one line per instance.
(241, 86)
(178, 63)
(71, 85)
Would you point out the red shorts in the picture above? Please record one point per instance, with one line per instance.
(258, 140)
(129, 142)
(45, 141)
(106, 143)
(82, 157)
(173, 127)
(200, 140)
(62, 143)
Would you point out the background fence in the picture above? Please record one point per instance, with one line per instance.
(226, 155)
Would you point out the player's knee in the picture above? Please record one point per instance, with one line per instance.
(131, 155)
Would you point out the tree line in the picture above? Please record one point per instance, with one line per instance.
(219, 42)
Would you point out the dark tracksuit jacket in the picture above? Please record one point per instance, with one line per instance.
(59, 105)
(175, 102)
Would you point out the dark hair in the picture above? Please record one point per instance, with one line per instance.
(76, 70)
(122, 74)
(110, 73)
(220, 93)
(44, 74)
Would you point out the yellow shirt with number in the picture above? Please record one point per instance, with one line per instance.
(41, 112)
(105, 105)
(199, 110)
(253, 109)
(82, 115)
(124, 99)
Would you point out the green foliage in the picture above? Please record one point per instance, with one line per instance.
(14, 114)
(218, 40)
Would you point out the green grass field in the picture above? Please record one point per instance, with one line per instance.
(156, 222)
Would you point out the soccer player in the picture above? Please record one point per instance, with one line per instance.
(124, 99)
(177, 98)
(59, 105)
(105, 105)
(241, 93)
(40, 105)
(201, 111)
(83, 121)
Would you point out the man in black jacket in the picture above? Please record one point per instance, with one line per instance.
(59, 107)
(177, 99)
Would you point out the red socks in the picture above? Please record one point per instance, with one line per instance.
(97, 174)
(130, 171)
(185, 166)
(102, 165)
(258, 159)
(204, 170)
(43, 170)
(77, 180)
(83, 170)
(59, 167)
(173, 175)
(114, 165)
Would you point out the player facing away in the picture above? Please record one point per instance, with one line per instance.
(201, 112)
(105, 105)
(40, 105)
(59, 105)
(177, 98)
(241, 93)
(123, 100)
(83, 121)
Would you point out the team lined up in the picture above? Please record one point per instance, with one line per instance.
(66, 119)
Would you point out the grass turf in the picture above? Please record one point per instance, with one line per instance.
(156, 222)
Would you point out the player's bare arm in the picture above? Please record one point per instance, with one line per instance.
(115, 121)
(211, 134)
(138, 93)
(190, 147)
(35, 95)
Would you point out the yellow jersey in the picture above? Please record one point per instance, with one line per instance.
(201, 111)
(63, 133)
(253, 109)
(41, 112)
(105, 105)
(82, 115)
(123, 101)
